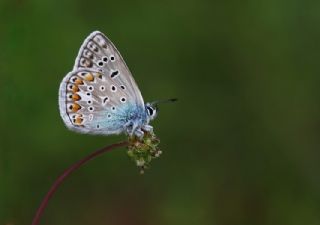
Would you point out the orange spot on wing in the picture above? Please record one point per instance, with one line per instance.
(89, 77)
(75, 88)
(78, 120)
(78, 81)
(76, 97)
(75, 107)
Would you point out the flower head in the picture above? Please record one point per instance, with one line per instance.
(143, 151)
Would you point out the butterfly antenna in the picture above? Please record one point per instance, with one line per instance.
(170, 100)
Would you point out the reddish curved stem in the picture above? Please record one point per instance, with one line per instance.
(66, 173)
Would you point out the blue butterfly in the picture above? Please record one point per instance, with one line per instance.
(100, 96)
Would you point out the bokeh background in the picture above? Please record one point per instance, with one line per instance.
(241, 147)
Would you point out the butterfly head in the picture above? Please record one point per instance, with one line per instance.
(152, 108)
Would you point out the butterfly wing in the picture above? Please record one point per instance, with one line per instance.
(98, 53)
(100, 94)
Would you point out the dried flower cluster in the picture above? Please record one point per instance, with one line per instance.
(143, 151)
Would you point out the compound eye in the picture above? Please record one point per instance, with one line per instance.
(150, 110)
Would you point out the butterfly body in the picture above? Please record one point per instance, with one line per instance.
(100, 96)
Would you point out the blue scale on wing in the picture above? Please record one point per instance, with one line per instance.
(108, 121)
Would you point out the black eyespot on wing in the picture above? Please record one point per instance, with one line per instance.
(105, 99)
(114, 73)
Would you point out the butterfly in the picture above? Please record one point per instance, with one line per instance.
(100, 96)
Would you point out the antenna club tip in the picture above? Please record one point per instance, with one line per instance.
(164, 101)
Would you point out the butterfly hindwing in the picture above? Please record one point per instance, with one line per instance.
(91, 102)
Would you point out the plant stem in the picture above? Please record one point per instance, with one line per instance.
(66, 173)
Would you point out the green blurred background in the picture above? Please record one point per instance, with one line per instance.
(241, 147)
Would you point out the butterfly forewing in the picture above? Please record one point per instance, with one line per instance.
(98, 52)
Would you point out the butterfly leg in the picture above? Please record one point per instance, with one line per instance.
(148, 128)
(133, 128)
(139, 133)
(128, 127)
